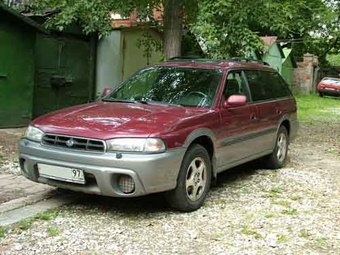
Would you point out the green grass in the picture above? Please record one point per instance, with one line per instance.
(304, 233)
(2, 232)
(289, 211)
(48, 215)
(251, 232)
(313, 108)
(53, 231)
(282, 238)
(25, 224)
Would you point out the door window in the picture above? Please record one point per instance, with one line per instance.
(266, 85)
(235, 85)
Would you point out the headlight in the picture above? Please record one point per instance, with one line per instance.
(34, 134)
(136, 145)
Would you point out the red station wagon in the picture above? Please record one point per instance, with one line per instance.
(170, 128)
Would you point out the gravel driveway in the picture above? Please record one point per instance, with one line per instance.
(294, 210)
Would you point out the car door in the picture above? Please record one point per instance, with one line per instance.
(237, 124)
(263, 92)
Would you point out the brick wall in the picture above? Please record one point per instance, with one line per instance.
(303, 77)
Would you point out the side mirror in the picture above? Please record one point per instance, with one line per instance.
(235, 101)
(106, 91)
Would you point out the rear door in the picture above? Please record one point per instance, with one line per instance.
(265, 97)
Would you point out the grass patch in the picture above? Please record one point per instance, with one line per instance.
(269, 215)
(25, 224)
(2, 232)
(289, 211)
(282, 203)
(53, 231)
(282, 238)
(48, 215)
(314, 108)
(295, 197)
(304, 233)
(322, 241)
(251, 232)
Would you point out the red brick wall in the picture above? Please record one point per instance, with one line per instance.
(303, 77)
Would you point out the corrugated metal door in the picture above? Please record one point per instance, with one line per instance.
(64, 73)
(16, 74)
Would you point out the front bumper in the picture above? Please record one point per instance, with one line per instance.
(151, 172)
(329, 92)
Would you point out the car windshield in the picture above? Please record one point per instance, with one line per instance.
(332, 81)
(190, 87)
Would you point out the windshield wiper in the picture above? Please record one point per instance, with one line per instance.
(117, 100)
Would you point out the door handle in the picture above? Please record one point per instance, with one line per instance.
(279, 112)
(253, 117)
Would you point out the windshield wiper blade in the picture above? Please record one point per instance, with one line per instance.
(117, 100)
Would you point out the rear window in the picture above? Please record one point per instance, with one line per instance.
(266, 85)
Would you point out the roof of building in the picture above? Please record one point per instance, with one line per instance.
(22, 18)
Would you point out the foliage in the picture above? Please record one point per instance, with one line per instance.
(231, 28)
(225, 28)
(334, 59)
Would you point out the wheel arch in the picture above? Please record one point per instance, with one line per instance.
(205, 138)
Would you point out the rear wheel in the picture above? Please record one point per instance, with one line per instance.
(279, 156)
(320, 94)
(193, 180)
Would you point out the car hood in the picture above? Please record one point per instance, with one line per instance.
(105, 120)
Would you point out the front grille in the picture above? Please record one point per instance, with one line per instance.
(75, 143)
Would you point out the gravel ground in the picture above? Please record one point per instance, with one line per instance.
(294, 210)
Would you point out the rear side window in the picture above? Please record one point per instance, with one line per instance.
(266, 85)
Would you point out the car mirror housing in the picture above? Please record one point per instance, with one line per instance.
(235, 101)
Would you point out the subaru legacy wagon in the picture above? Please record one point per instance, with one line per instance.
(169, 128)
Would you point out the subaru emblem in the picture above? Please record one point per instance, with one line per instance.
(70, 143)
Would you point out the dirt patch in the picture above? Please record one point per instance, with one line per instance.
(9, 139)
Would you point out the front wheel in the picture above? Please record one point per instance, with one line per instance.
(193, 180)
(279, 156)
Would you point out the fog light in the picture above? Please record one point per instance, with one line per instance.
(126, 184)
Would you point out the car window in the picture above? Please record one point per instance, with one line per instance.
(193, 87)
(265, 85)
(235, 85)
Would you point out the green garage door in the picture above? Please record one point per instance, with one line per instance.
(16, 74)
(64, 73)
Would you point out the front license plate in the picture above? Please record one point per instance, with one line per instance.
(62, 173)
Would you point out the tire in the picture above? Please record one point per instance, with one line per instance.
(320, 94)
(193, 181)
(279, 156)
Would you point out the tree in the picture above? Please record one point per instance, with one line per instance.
(232, 28)
(94, 16)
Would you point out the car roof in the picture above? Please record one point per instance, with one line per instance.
(217, 64)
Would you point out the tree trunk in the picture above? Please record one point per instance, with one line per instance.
(173, 20)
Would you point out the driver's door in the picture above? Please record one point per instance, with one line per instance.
(237, 125)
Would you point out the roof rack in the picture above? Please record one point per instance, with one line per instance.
(250, 60)
(195, 59)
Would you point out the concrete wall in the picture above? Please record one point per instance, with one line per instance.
(133, 57)
(303, 79)
(118, 57)
(108, 61)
